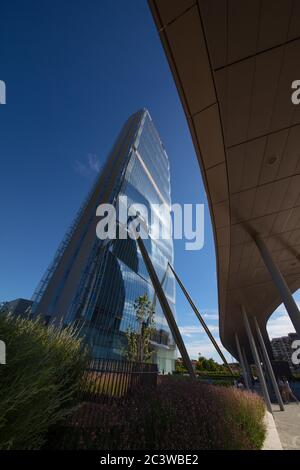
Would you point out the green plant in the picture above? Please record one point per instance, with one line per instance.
(177, 414)
(138, 340)
(180, 368)
(40, 380)
(247, 410)
(209, 365)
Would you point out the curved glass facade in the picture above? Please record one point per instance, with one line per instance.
(95, 283)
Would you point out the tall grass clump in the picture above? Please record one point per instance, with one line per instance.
(247, 411)
(40, 380)
(179, 415)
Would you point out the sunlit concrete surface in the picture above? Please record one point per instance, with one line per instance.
(288, 426)
(272, 441)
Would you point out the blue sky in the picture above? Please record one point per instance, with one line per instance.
(74, 72)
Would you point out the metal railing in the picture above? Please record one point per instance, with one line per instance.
(105, 383)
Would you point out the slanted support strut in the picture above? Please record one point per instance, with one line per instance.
(280, 283)
(166, 308)
(257, 360)
(241, 361)
(198, 315)
(269, 365)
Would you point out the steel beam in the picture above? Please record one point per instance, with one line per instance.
(198, 315)
(268, 365)
(248, 368)
(242, 362)
(166, 308)
(257, 360)
(280, 283)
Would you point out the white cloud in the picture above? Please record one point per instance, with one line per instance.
(205, 348)
(190, 330)
(88, 167)
(94, 162)
(282, 309)
(210, 316)
(197, 341)
(280, 325)
(200, 347)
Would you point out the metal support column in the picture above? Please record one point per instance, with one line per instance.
(241, 360)
(257, 361)
(166, 308)
(248, 368)
(198, 315)
(280, 283)
(269, 365)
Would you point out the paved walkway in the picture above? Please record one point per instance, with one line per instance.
(288, 426)
(272, 441)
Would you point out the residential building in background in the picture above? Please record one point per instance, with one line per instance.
(95, 283)
(282, 348)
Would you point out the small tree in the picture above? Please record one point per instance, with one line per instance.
(179, 367)
(209, 365)
(138, 340)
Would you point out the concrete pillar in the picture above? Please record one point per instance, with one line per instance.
(257, 360)
(241, 361)
(280, 283)
(268, 365)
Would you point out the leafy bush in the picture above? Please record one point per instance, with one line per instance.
(180, 415)
(39, 382)
(224, 374)
(223, 383)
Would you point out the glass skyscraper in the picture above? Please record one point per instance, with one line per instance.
(95, 283)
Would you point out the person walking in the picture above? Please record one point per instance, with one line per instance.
(288, 391)
(240, 383)
(282, 389)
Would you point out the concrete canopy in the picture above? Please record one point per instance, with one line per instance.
(233, 63)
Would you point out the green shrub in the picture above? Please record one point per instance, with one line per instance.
(177, 415)
(39, 383)
(247, 410)
(223, 383)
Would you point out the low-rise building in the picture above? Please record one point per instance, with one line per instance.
(282, 348)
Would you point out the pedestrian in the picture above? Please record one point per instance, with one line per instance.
(289, 392)
(282, 389)
(240, 384)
